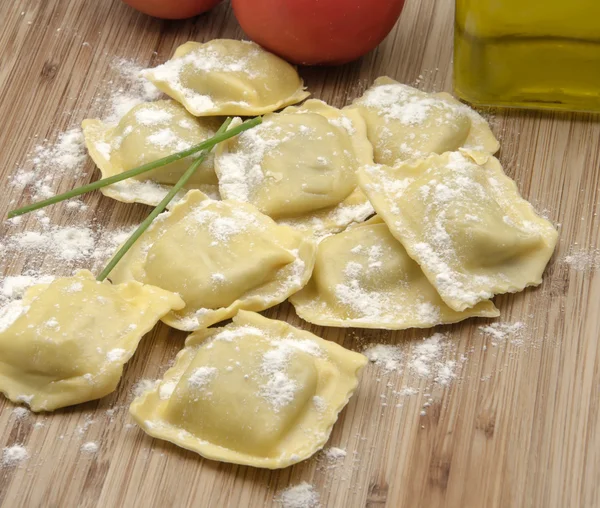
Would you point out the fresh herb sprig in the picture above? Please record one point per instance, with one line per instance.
(205, 145)
(167, 199)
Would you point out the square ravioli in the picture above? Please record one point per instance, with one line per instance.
(220, 256)
(464, 222)
(67, 342)
(405, 123)
(364, 278)
(257, 392)
(299, 167)
(228, 77)
(148, 132)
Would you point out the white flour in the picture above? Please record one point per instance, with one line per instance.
(334, 454)
(201, 377)
(425, 364)
(202, 60)
(52, 159)
(133, 90)
(302, 495)
(48, 162)
(14, 455)
(280, 390)
(64, 248)
(388, 357)
(142, 386)
(502, 332)
(20, 413)
(583, 260)
(402, 103)
(89, 447)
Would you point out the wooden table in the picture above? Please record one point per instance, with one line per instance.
(521, 425)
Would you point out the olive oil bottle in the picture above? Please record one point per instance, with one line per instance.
(528, 53)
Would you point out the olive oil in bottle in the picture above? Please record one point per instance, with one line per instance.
(528, 53)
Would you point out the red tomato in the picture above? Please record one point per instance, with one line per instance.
(172, 9)
(318, 31)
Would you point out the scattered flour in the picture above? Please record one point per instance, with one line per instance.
(89, 447)
(133, 90)
(424, 364)
(386, 356)
(13, 287)
(20, 413)
(302, 495)
(502, 332)
(143, 385)
(334, 454)
(583, 260)
(14, 455)
(428, 360)
(64, 246)
(48, 162)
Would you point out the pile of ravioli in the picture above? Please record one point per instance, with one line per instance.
(390, 213)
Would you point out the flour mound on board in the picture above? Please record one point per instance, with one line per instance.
(334, 454)
(48, 162)
(302, 495)
(20, 413)
(89, 447)
(64, 246)
(14, 455)
(430, 359)
(583, 260)
(501, 332)
(133, 90)
(386, 356)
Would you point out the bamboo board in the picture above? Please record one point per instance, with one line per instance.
(519, 428)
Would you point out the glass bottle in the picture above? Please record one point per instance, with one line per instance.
(528, 53)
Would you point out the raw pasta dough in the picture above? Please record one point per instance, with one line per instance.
(405, 123)
(149, 132)
(364, 278)
(463, 220)
(299, 167)
(228, 77)
(220, 256)
(67, 342)
(258, 392)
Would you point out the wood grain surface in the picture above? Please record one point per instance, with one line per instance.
(520, 427)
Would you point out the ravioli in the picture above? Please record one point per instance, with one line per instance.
(464, 222)
(150, 131)
(257, 392)
(364, 278)
(299, 167)
(228, 77)
(67, 342)
(220, 256)
(405, 123)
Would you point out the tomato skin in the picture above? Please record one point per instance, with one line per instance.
(317, 31)
(172, 9)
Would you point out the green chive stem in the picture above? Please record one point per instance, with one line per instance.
(205, 145)
(160, 207)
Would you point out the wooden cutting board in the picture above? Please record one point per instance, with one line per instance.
(519, 427)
